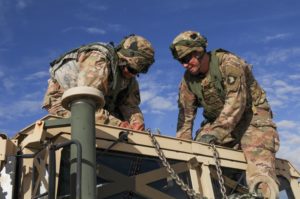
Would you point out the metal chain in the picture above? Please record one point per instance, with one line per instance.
(190, 192)
(221, 179)
(219, 171)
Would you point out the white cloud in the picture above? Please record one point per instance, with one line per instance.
(295, 65)
(294, 77)
(90, 30)
(37, 75)
(115, 27)
(94, 30)
(273, 56)
(282, 92)
(280, 83)
(19, 108)
(289, 134)
(281, 55)
(287, 124)
(292, 139)
(8, 83)
(289, 93)
(157, 98)
(283, 87)
(276, 102)
(290, 152)
(162, 103)
(276, 56)
(158, 112)
(97, 7)
(157, 101)
(146, 96)
(279, 36)
(33, 95)
(22, 4)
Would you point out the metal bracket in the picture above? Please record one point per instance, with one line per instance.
(38, 134)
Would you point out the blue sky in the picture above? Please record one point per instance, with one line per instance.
(264, 32)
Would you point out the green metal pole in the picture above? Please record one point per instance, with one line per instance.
(83, 102)
(83, 130)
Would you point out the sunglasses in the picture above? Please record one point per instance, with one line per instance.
(132, 70)
(186, 59)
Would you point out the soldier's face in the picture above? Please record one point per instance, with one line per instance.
(127, 73)
(192, 63)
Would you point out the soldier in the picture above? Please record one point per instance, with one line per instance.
(112, 71)
(235, 109)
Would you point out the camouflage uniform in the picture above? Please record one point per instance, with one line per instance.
(242, 118)
(97, 65)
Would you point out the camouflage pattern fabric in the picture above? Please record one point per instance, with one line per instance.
(244, 119)
(188, 42)
(52, 99)
(93, 67)
(137, 51)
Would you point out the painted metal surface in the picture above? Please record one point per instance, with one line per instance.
(193, 158)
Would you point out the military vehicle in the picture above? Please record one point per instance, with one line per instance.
(75, 157)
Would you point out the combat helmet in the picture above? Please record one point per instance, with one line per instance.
(187, 42)
(137, 51)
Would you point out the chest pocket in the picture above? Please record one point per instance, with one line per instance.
(212, 101)
(210, 95)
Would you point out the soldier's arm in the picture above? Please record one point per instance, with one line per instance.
(187, 112)
(130, 109)
(52, 99)
(235, 97)
(94, 70)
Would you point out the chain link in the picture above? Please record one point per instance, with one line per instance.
(219, 171)
(190, 192)
(221, 180)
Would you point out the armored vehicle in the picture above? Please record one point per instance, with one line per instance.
(75, 157)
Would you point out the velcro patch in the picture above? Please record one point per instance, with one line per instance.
(233, 77)
(231, 80)
(233, 83)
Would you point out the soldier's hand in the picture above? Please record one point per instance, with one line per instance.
(125, 124)
(208, 138)
(138, 126)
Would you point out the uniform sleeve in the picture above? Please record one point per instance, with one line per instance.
(130, 109)
(94, 70)
(235, 98)
(52, 99)
(187, 104)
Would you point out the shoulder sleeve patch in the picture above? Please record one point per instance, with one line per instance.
(234, 74)
(231, 80)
